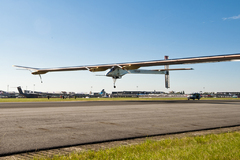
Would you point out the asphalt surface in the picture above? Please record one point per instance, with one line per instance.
(42, 125)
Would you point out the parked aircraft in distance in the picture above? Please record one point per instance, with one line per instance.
(27, 95)
(117, 70)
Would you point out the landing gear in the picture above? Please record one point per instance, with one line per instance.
(114, 81)
(40, 78)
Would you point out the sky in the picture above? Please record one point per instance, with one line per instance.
(60, 33)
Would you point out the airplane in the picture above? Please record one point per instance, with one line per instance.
(30, 95)
(117, 70)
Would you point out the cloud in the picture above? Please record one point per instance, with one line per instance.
(233, 17)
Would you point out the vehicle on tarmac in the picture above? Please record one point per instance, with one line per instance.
(194, 96)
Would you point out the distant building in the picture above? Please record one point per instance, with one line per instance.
(134, 93)
(227, 94)
(4, 94)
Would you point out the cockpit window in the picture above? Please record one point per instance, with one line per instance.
(112, 69)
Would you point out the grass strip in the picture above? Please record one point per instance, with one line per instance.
(212, 146)
(101, 99)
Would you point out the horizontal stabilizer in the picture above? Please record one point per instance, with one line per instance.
(176, 69)
(144, 71)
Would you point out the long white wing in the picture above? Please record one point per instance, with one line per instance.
(136, 65)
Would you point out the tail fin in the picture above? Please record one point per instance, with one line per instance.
(20, 90)
(102, 92)
(167, 82)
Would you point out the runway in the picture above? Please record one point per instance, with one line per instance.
(42, 125)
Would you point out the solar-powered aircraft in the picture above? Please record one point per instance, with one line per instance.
(117, 70)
